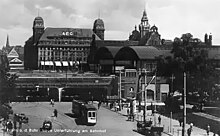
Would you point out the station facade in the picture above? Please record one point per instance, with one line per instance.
(60, 48)
(86, 49)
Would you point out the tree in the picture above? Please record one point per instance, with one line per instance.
(190, 58)
(7, 81)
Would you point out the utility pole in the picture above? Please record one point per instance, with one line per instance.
(145, 93)
(172, 78)
(119, 89)
(184, 106)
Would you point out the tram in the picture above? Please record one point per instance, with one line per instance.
(86, 112)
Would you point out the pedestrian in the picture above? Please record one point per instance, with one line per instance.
(20, 124)
(150, 122)
(111, 105)
(181, 121)
(132, 116)
(55, 113)
(128, 113)
(52, 102)
(190, 129)
(27, 97)
(159, 120)
(122, 106)
(99, 104)
(4, 124)
(128, 110)
(208, 129)
(9, 126)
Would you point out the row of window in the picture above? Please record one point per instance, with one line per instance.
(63, 53)
(65, 42)
(64, 49)
(64, 57)
(66, 54)
(84, 59)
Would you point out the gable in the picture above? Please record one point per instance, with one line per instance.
(16, 60)
(13, 54)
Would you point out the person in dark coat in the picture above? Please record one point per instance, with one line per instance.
(189, 130)
(99, 104)
(55, 113)
(9, 126)
(159, 120)
(181, 121)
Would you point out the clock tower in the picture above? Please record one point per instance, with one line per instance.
(144, 27)
(98, 28)
(38, 29)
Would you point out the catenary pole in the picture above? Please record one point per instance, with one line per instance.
(145, 93)
(184, 106)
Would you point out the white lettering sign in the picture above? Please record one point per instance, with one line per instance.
(68, 33)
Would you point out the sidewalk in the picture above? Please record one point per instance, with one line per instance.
(175, 130)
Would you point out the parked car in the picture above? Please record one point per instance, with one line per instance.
(198, 108)
(47, 125)
(144, 127)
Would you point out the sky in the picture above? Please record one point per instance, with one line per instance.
(172, 17)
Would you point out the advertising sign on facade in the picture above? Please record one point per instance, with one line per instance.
(117, 68)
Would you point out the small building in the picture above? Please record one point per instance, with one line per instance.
(15, 55)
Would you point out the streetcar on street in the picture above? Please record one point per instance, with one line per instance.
(86, 112)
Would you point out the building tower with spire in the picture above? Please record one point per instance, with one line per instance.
(144, 26)
(38, 28)
(98, 28)
(210, 39)
(7, 46)
(30, 47)
(7, 43)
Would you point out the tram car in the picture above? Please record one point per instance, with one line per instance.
(77, 107)
(86, 112)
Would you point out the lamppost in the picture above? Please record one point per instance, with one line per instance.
(144, 90)
(119, 90)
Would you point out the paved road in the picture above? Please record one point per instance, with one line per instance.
(166, 122)
(109, 123)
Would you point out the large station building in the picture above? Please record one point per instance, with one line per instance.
(63, 49)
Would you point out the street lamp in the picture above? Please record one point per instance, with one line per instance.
(144, 90)
(119, 91)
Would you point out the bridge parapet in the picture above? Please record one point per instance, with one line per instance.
(49, 82)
